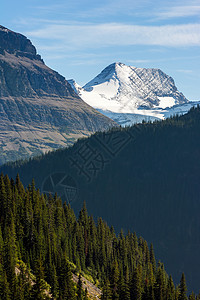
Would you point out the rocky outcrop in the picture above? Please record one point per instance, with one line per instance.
(39, 110)
(16, 43)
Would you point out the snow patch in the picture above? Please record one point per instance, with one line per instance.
(166, 102)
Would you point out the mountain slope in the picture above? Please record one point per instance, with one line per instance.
(42, 243)
(144, 178)
(39, 110)
(129, 95)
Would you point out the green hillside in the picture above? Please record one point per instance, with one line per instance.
(42, 243)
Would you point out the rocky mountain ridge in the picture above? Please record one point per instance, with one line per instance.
(11, 43)
(39, 110)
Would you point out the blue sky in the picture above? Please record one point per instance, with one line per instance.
(79, 38)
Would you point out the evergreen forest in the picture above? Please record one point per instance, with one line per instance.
(42, 244)
(144, 179)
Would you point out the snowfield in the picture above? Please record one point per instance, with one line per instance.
(130, 95)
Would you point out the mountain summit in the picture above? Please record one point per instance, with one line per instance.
(39, 110)
(141, 87)
(23, 72)
(129, 94)
(16, 43)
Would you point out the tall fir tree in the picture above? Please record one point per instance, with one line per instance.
(136, 288)
(182, 288)
(66, 286)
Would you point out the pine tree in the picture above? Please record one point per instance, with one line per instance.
(19, 186)
(38, 291)
(160, 284)
(114, 279)
(79, 288)
(10, 255)
(3, 201)
(23, 286)
(1, 247)
(9, 205)
(170, 293)
(54, 283)
(66, 287)
(149, 284)
(123, 288)
(136, 284)
(2, 287)
(6, 293)
(106, 291)
(192, 296)
(182, 288)
(152, 258)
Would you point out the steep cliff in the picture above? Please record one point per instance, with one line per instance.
(39, 111)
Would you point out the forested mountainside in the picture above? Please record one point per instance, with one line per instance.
(143, 178)
(42, 243)
(38, 108)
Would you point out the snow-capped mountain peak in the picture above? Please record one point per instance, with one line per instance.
(110, 72)
(138, 86)
(130, 94)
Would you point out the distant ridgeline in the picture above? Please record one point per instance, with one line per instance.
(42, 243)
(143, 178)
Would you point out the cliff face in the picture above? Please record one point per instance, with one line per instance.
(23, 72)
(39, 110)
(13, 42)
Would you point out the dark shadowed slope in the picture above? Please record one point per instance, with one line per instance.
(144, 178)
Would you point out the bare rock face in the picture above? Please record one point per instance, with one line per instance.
(39, 110)
(13, 42)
